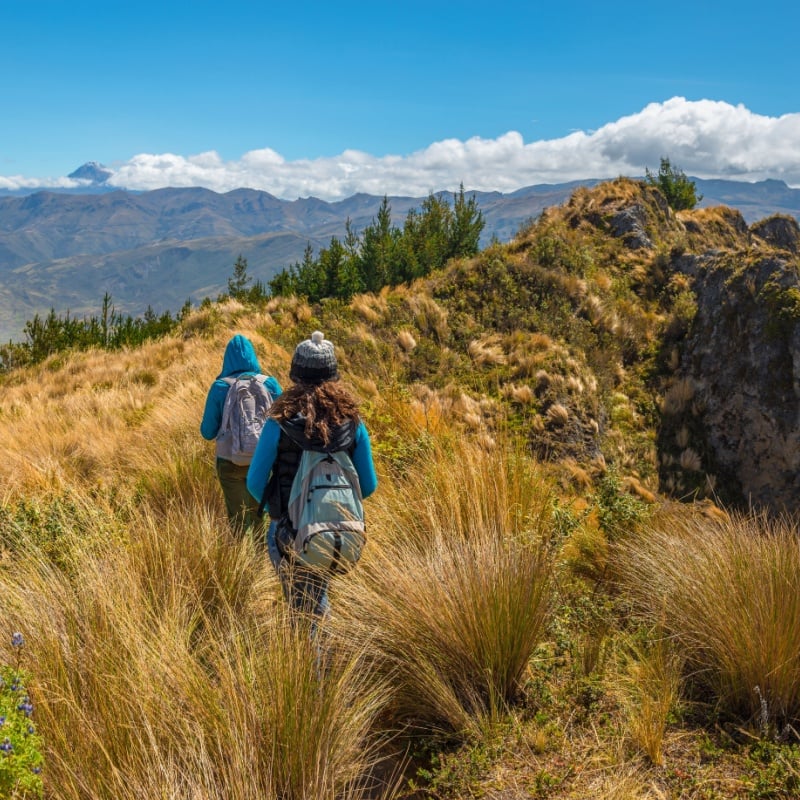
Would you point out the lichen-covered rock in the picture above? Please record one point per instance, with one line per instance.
(630, 225)
(735, 399)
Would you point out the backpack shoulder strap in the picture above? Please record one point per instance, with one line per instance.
(272, 496)
(226, 407)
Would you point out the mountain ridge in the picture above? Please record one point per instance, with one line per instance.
(57, 248)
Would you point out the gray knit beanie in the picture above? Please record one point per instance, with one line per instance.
(314, 361)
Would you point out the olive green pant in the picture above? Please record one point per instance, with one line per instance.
(241, 506)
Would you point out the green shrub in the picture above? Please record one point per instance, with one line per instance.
(617, 511)
(681, 193)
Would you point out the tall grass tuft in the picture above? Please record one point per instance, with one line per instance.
(728, 594)
(162, 667)
(454, 593)
(647, 685)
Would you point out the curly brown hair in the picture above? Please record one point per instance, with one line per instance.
(324, 406)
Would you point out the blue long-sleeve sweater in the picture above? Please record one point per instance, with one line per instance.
(267, 451)
(240, 357)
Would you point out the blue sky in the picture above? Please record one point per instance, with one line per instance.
(329, 98)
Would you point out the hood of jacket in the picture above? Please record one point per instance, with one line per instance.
(240, 356)
(342, 438)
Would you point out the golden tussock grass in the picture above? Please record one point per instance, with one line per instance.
(682, 437)
(457, 583)
(717, 226)
(406, 340)
(430, 317)
(647, 684)
(690, 460)
(558, 414)
(678, 396)
(487, 350)
(164, 667)
(726, 594)
(599, 315)
(632, 484)
(522, 394)
(368, 308)
(113, 418)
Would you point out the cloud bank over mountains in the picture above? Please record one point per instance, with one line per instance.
(705, 138)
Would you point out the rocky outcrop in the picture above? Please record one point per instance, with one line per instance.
(779, 231)
(630, 225)
(731, 414)
(714, 227)
(635, 213)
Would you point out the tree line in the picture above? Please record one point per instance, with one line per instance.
(385, 255)
(110, 330)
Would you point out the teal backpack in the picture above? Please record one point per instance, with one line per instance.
(326, 513)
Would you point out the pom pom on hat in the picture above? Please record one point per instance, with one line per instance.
(314, 361)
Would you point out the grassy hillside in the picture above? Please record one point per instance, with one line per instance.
(531, 619)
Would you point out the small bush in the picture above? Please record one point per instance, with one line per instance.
(681, 193)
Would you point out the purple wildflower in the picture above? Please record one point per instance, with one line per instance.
(17, 639)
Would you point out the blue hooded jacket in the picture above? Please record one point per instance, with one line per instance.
(240, 357)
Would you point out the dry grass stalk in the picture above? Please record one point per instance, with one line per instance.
(162, 670)
(558, 414)
(690, 460)
(647, 685)
(406, 340)
(369, 307)
(520, 394)
(430, 317)
(678, 396)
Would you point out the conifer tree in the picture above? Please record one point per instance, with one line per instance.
(681, 193)
(468, 222)
(237, 283)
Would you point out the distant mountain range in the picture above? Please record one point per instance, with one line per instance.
(65, 249)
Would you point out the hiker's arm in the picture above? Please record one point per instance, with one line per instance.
(212, 415)
(362, 460)
(263, 459)
(273, 387)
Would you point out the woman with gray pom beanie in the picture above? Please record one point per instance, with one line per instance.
(316, 413)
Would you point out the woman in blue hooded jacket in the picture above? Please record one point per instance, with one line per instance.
(240, 359)
(316, 413)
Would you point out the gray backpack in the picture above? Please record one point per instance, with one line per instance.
(326, 513)
(243, 417)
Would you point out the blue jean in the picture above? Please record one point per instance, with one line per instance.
(305, 590)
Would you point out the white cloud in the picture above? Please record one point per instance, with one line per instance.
(14, 182)
(704, 138)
